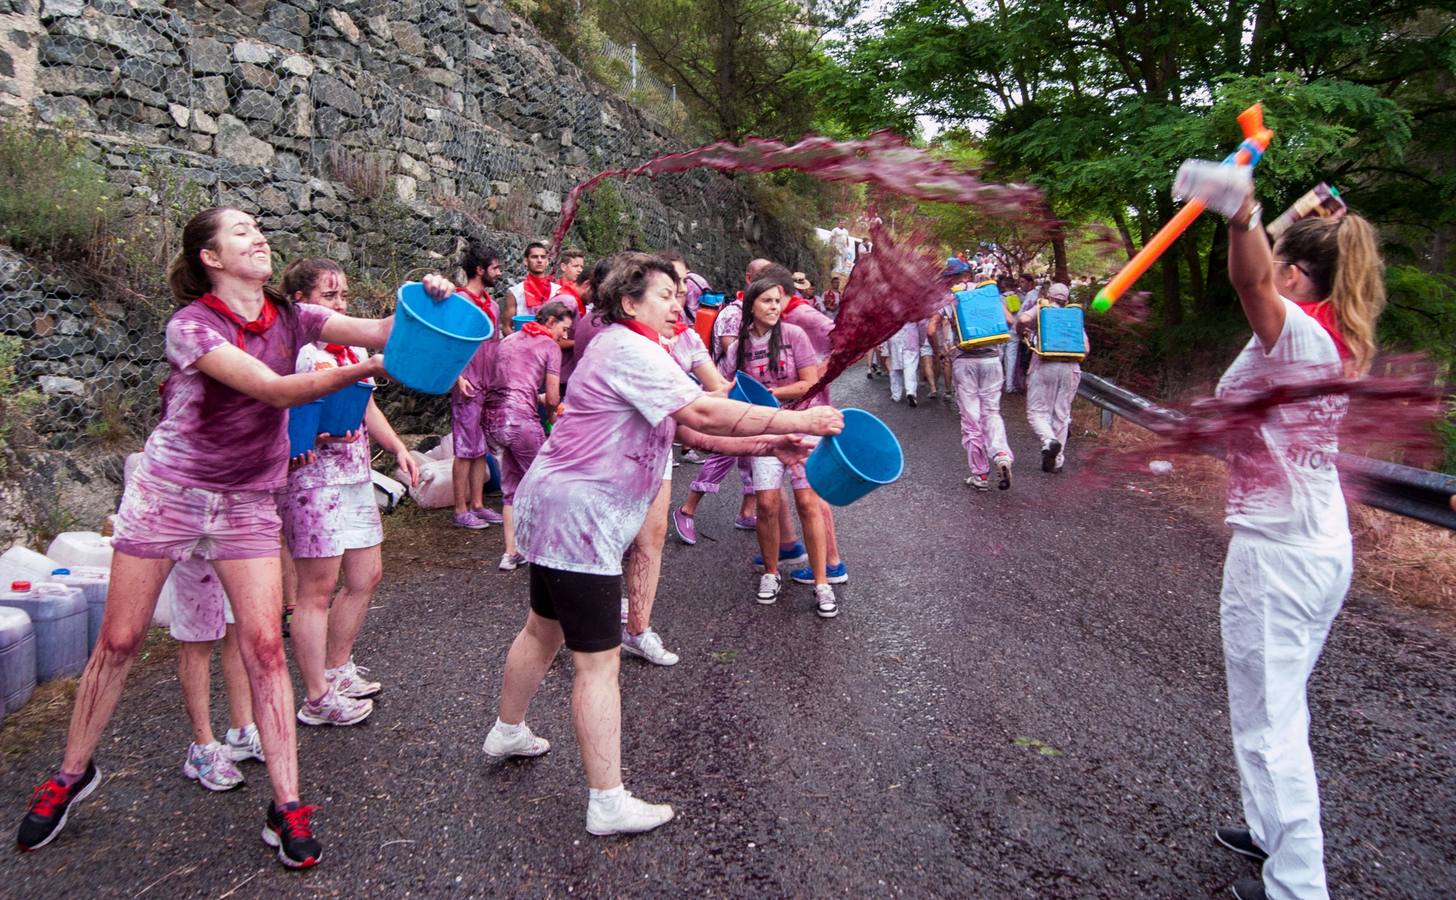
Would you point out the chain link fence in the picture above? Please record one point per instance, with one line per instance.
(350, 130)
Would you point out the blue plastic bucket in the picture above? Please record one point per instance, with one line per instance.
(303, 427)
(518, 320)
(846, 466)
(432, 342)
(344, 409)
(750, 390)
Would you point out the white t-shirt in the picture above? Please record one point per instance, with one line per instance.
(585, 497)
(1283, 483)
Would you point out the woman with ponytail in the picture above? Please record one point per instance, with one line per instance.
(1312, 302)
(205, 489)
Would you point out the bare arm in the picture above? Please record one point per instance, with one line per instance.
(352, 332)
(247, 375)
(808, 376)
(1251, 270)
(732, 418)
(553, 394)
(763, 445)
(384, 434)
(711, 379)
(508, 312)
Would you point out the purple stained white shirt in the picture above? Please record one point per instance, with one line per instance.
(818, 327)
(334, 464)
(212, 436)
(795, 353)
(585, 497)
(689, 350)
(522, 363)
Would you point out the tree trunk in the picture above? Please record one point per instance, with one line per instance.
(1218, 292)
(1059, 259)
(1172, 294)
(1189, 240)
(1121, 221)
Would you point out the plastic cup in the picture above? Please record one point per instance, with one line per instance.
(864, 456)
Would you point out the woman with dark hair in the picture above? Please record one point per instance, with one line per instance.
(585, 499)
(205, 488)
(1312, 303)
(782, 358)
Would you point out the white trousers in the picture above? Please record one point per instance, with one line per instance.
(904, 370)
(1051, 385)
(1276, 608)
(978, 394)
(1009, 353)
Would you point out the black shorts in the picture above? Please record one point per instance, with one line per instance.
(588, 607)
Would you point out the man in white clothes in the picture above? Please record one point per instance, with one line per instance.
(535, 291)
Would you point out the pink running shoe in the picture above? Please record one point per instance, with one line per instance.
(687, 531)
(470, 520)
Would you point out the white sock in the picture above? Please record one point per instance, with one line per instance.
(611, 795)
(509, 730)
(235, 735)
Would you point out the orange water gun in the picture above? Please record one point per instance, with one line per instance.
(1256, 141)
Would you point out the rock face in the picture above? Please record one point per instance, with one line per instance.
(379, 134)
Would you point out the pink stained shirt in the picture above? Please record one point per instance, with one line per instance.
(521, 365)
(214, 437)
(478, 370)
(334, 464)
(585, 497)
(819, 328)
(795, 352)
(690, 351)
(583, 329)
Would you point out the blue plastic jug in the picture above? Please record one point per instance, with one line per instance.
(17, 658)
(93, 582)
(59, 616)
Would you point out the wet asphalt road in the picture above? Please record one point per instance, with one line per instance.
(1022, 696)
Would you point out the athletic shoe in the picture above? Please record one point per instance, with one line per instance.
(824, 603)
(288, 830)
(519, 742)
(687, 532)
(1241, 841)
(1003, 473)
(979, 482)
(694, 457)
(350, 682)
(769, 586)
(910, 398)
(1049, 452)
(793, 556)
(746, 523)
(488, 516)
(244, 744)
(212, 767)
(334, 709)
(510, 562)
(625, 814)
(1248, 889)
(470, 520)
(932, 395)
(648, 645)
(51, 805)
(835, 574)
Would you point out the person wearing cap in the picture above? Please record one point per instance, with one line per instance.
(805, 288)
(1051, 384)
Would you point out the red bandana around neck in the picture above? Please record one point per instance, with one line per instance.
(344, 355)
(794, 303)
(569, 287)
(265, 319)
(484, 301)
(680, 326)
(1323, 312)
(653, 336)
(537, 290)
(536, 329)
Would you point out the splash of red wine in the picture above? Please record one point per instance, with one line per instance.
(884, 159)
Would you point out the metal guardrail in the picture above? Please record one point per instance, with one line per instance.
(1403, 490)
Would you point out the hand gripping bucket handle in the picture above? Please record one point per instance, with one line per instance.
(432, 342)
(864, 456)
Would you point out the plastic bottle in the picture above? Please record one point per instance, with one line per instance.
(59, 616)
(1320, 201)
(93, 582)
(17, 659)
(23, 564)
(80, 548)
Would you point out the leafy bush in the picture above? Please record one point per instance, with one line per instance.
(53, 200)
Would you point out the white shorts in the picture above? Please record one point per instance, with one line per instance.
(201, 611)
(768, 472)
(322, 523)
(926, 349)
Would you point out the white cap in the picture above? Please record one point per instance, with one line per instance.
(1058, 291)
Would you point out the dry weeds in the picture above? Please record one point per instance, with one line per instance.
(1407, 562)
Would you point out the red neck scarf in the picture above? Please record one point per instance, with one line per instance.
(794, 303)
(680, 326)
(536, 329)
(344, 355)
(653, 336)
(569, 287)
(537, 290)
(484, 301)
(265, 319)
(1323, 312)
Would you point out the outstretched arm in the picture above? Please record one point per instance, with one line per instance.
(1251, 269)
(732, 418)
